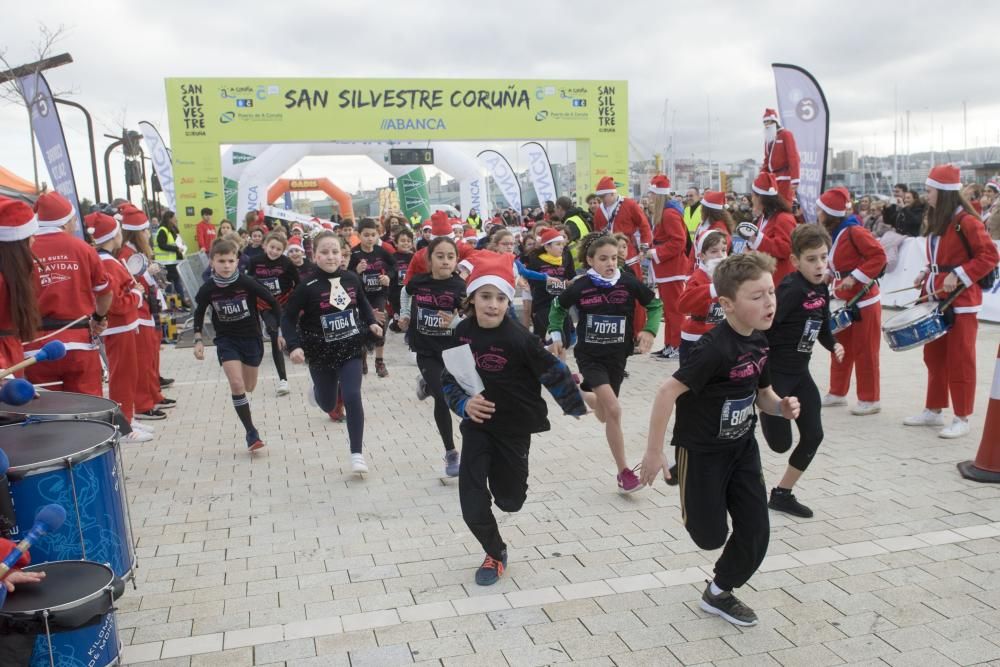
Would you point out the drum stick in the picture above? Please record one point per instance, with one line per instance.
(59, 331)
(897, 291)
(51, 351)
(48, 520)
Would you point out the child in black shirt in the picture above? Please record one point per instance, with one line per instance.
(498, 422)
(278, 274)
(718, 461)
(555, 261)
(802, 318)
(431, 302)
(326, 323)
(404, 253)
(376, 267)
(296, 252)
(238, 341)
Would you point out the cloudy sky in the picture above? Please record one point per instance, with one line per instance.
(712, 61)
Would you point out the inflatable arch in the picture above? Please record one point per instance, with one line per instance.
(283, 185)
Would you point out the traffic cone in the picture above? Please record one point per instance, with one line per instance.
(986, 467)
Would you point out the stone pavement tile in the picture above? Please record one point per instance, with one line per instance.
(897, 596)
(252, 636)
(286, 650)
(673, 612)
(586, 589)
(561, 611)
(651, 657)
(367, 620)
(644, 638)
(460, 625)
(624, 601)
(810, 632)
(926, 657)
(334, 608)
(957, 629)
(861, 583)
(315, 627)
(862, 624)
(516, 618)
(557, 631)
(393, 654)
(912, 638)
(756, 660)
(161, 631)
(970, 651)
(330, 660)
(859, 602)
(348, 641)
(435, 649)
(537, 655)
(404, 633)
(192, 611)
(480, 605)
(172, 662)
(612, 622)
(754, 641)
(704, 627)
(957, 606)
(173, 648)
(859, 549)
(911, 614)
(863, 565)
(204, 626)
(426, 612)
(581, 648)
(487, 659)
(231, 658)
(279, 616)
(703, 650)
(816, 655)
(531, 598)
(861, 647)
(498, 640)
(141, 652)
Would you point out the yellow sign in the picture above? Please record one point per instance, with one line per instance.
(205, 113)
(303, 184)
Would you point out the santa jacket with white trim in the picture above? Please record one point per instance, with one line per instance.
(123, 315)
(856, 253)
(775, 238)
(782, 157)
(628, 220)
(946, 254)
(701, 305)
(671, 261)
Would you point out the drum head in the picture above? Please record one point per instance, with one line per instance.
(136, 263)
(61, 403)
(44, 444)
(837, 304)
(67, 584)
(909, 316)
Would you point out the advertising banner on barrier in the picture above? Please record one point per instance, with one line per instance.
(499, 168)
(803, 110)
(540, 172)
(160, 155)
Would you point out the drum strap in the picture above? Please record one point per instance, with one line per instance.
(50, 324)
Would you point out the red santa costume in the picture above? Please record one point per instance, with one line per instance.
(671, 265)
(204, 234)
(856, 258)
(148, 394)
(717, 202)
(121, 336)
(624, 217)
(774, 234)
(699, 301)
(440, 226)
(781, 157)
(69, 277)
(17, 222)
(951, 359)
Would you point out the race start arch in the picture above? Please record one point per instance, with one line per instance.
(205, 114)
(283, 185)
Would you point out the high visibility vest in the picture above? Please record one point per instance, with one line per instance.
(692, 221)
(415, 219)
(581, 226)
(164, 256)
(475, 221)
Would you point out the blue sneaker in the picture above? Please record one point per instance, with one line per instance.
(253, 441)
(491, 570)
(451, 463)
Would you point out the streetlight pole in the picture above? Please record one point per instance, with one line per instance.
(90, 137)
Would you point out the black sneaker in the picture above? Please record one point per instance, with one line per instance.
(728, 606)
(166, 404)
(151, 415)
(784, 501)
(491, 570)
(166, 382)
(673, 481)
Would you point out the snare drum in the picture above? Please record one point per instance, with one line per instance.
(75, 465)
(914, 327)
(840, 316)
(71, 611)
(62, 406)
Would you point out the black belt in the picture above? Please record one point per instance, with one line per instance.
(4, 333)
(698, 319)
(50, 325)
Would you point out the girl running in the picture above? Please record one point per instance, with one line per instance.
(326, 323)
(276, 272)
(555, 262)
(375, 267)
(605, 298)
(403, 240)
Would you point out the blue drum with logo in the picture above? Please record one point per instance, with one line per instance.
(72, 613)
(73, 464)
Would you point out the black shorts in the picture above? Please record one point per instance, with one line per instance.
(249, 351)
(601, 370)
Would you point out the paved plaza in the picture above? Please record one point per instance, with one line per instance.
(285, 558)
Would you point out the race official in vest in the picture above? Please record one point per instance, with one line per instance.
(781, 156)
(576, 221)
(169, 248)
(692, 211)
(474, 220)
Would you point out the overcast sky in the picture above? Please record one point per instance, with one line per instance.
(700, 56)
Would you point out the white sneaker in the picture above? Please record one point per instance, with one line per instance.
(137, 436)
(312, 396)
(925, 418)
(866, 408)
(956, 429)
(358, 463)
(831, 400)
(282, 387)
(139, 426)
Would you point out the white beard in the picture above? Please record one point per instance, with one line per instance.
(770, 133)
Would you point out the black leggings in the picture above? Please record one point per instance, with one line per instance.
(348, 378)
(276, 353)
(431, 368)
(778, 430)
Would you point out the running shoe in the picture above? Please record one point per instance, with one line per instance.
(165, 382)
(491, 570)
(338, 414)
(283, 388)
(628, 481)
(668, 353)
(956, 429)
(145, 428)
(166, 404)
(925, 418)
(358, 463)
(422, 392)
(784, 501)
(863, 408)
(137, 436)
(253, 441)
(452, 460)
(151, 415)
(832, 400)
(728, 606)
(380, 368)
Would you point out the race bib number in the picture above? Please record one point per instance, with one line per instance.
(809, 335)
(231, 310)
(272, 284)
(555, 289)
(715, 313)
(340, 326)
(430, 323)
(372, 283)
(605, 329)
(737, 417)
(401, 273)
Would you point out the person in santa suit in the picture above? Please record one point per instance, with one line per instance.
(772, 231)
(715, 217)
(73, 292)
(671, 256)
(959, 254)
(856, 260)
(781, 157)
(149, 400)
(121, 335)
(618, 215)
(440, 227)
(19, 318)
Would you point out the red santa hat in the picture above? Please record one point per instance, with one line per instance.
(327, 225)
(17, 220)
(714, 199)
(993, 185)
(606, 186)
(765, 185)
(294, 243)
(101, 227)
(660, 185)
(470, 235)
(132, 218)
(492, 269)
(945, 177)
(835, 201)
(699, 241)
(441, 225)
(771, 114)
(53, 210)
(549, 235)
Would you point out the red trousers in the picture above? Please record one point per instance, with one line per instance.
(951, 367)
(123, 370)
(861, 342)
(670, 294)
(639, 313)
(147, 393)
(79, 371)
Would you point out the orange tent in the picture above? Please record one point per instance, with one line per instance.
(11, 181)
